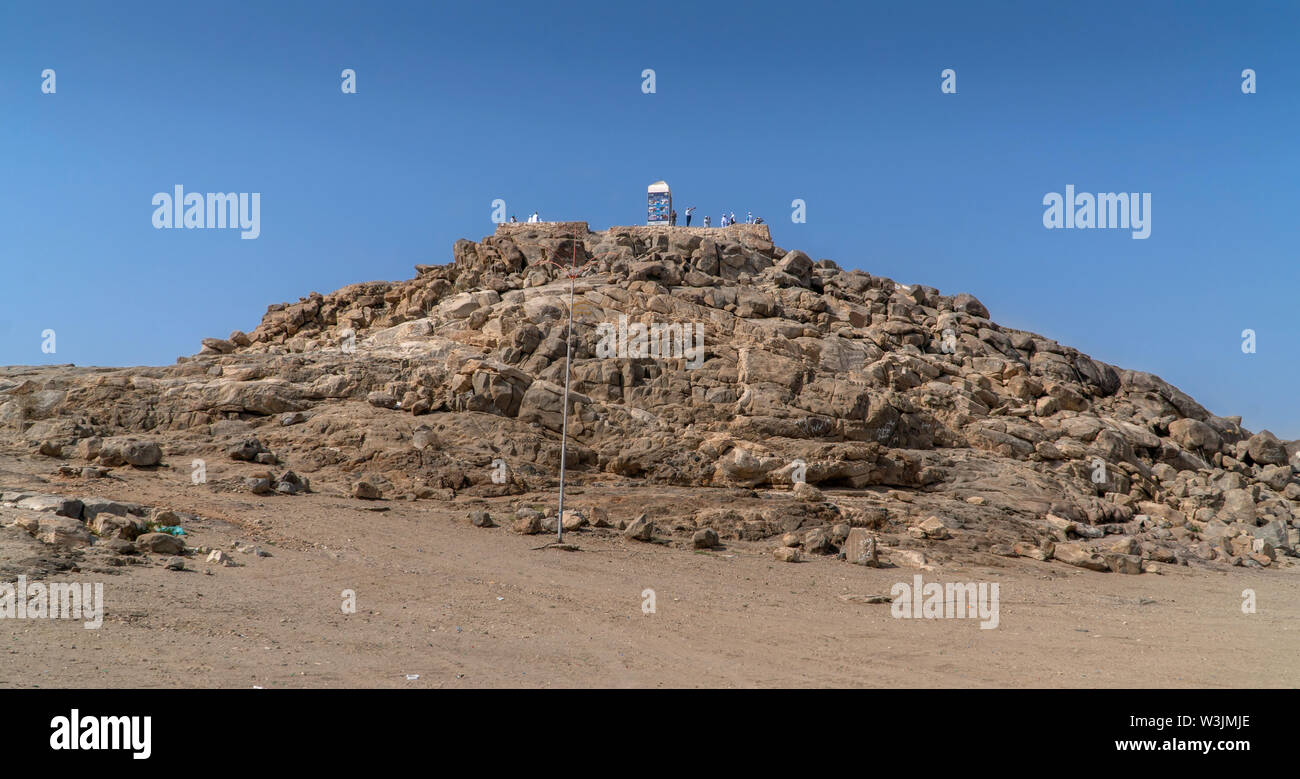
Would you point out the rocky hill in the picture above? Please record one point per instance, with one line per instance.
(812, 408)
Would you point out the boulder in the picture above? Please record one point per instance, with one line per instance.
(218, 557)
(528, 524)
(1265, 449)
(1274, 533)
(786, 554)
(246, 450)
(908, 558)
(1124, 563)
(640, 529)
(860, 548)
(1238, 506)
(124, 450)
(108, 525)
(1077, 555)
(62, 532)
(574, 519)
(599, 517)
(1195, 435)
(969, 304)
(259, 486)
(818, 541)
(382, 399)
(366, 491)
(806, 492)
(933, 527)
(160, 543)
(704, 538)
(53, 504)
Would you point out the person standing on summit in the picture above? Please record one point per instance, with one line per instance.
(689, 211)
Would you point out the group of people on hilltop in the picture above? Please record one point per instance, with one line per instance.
(727, 219)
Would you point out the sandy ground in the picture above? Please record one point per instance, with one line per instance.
(470, 607)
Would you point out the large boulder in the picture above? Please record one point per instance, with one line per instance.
(63, 532)
(969, 304)
(1275, 533)
(1195, 435)
(1078, 555)
(125, 450)
(1265, 449)
(543, 403)
(860, 548)
(53, 504)
(797, 264)
(160, 543)
(264, 398)
(108, 525)
(742, 467)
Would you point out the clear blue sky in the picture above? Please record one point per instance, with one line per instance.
(540, 104)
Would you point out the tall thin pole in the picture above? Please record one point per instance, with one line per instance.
(564, 426)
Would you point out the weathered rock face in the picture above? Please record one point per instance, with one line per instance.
(1265, 449)
(700, 357)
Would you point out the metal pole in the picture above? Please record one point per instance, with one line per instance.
(564, 427)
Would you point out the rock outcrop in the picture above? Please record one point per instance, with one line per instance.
(703, 358)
